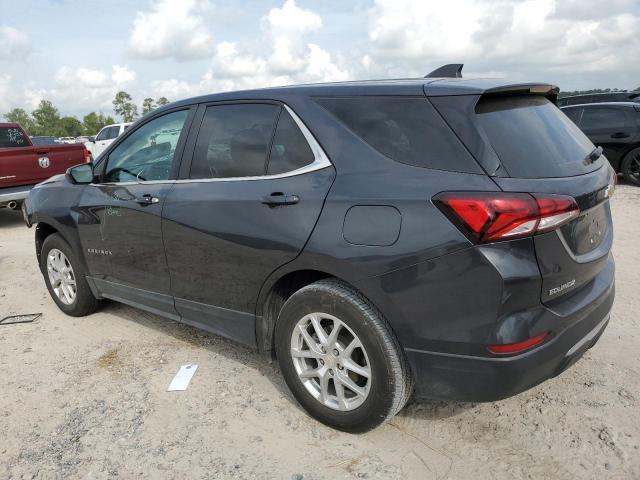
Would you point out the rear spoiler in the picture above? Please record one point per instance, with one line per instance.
(488, 87)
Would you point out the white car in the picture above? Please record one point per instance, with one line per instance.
(67, 139)
(96, 145)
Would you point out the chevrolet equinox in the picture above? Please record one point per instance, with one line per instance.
(446, 238)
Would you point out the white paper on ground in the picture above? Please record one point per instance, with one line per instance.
(182, 378)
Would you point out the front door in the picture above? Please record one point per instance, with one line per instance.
(120, 222)
(247, 205)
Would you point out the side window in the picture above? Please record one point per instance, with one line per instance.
(233, 141)
(103, 135)
(113, 133)
(147, 153)
(290, 149)
(603, 118)
(406, 129)
(573, 114)
(12, 137)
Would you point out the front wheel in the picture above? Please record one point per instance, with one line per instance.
(631, 167)
(65, 278)
(340, 358)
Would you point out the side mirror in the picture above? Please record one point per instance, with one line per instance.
(80, 174)
(92, 139)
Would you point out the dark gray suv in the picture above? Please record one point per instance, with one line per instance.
(442, 237)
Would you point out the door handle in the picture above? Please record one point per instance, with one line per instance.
(147, 200)
(620, 135)
(277, 199)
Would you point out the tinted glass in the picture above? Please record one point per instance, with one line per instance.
(290, 149)
(602, 118)
(12, 137)
(103, 134)
(44, 140)
(147, 153)
(113, 133)
(533, 139)
(573, 114)
(233, 141)
(405, 129)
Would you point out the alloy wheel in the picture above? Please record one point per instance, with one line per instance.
(61, 276)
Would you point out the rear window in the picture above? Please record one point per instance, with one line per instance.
(405, 129)
(533, 138)
(12, 137)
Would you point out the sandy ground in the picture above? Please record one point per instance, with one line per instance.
(86, 398)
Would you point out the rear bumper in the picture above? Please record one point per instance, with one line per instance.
(483, 379)
(17, 194)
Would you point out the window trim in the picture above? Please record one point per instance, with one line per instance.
(321, 160)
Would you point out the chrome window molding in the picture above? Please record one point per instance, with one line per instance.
(321, 160)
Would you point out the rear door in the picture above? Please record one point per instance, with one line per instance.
(542, 151)
(612, 128)
(253, 182)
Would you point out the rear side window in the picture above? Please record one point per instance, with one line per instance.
(12, 137)
(533, 139)
(233, 141)
(573, 114)
(603, 118)
(405, 129)
(290, 149)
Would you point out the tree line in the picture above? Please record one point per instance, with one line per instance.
(594, 90)
(46, 118)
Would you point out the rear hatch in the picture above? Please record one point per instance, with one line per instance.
(528, 145)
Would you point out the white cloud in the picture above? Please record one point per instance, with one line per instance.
(7, 94)
(14, 44)
(122, 74)
(172, 28)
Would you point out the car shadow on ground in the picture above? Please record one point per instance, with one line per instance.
(263, 363)
(10, 218)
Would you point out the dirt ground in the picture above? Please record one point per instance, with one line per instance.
(86, 398)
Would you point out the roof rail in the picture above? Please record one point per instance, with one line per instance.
(451, 70)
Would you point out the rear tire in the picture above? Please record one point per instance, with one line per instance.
(631, 167)
(353, 389)
(65, 278)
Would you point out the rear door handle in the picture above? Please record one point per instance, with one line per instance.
(620, 135)
(277, 199)
(147, 199)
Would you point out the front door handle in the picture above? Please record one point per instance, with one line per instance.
(620, 135)
(277, 199)
(147, 199)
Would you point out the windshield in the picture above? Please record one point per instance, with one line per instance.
(533, 138)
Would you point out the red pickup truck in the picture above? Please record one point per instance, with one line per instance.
(22, 165)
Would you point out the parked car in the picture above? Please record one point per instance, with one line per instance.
(445, 238)
(81, 139)
(67, 140)
(23, 164)
(44, 140)
(599, 98)
(96, 145)
(616, 128)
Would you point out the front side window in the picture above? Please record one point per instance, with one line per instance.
(147, 153)
(233, 141)
(290, 149)
(103, 135)
(113, 133)
(603, 118)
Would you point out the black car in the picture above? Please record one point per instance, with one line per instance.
(444, 237)
(616, 128)
(599, 98)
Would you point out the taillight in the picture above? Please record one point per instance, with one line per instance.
(87, 155)
(490, 217)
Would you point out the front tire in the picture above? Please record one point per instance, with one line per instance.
(631, 167)
(340, 358)
(65, 278)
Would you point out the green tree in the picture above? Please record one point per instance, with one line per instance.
(19, 115)
(148, 105)
(71, 127)
(93, 122)
(162, 101)
(46, 119)
(124, 106)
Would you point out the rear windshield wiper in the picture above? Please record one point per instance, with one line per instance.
(593, 156)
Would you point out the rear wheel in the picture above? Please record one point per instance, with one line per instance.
(631, 167)
(65, 278)
(339, 357)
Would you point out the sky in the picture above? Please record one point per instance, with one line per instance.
(80, 53)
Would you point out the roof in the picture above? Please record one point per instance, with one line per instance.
(403, 86)
(634, 105)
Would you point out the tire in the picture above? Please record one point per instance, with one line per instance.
(83, 302)
(631, 167)
(390, 383)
